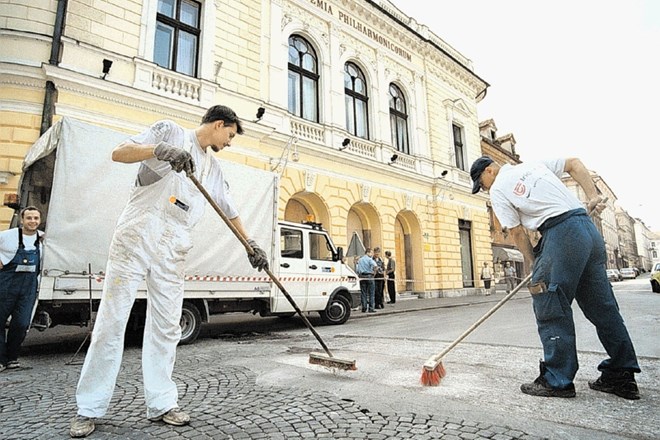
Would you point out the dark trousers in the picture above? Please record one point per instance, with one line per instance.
(391, 290)
(379, 297)
(18, 292)
(367, 294)
(571, 261)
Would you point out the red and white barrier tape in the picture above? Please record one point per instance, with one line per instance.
(247, 279)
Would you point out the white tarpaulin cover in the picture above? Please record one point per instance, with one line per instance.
(90, 190)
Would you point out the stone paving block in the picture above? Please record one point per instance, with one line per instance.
(469, 429)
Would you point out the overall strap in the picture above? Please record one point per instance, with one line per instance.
(21, 245)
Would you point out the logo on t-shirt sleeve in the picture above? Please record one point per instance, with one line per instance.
(520, 189)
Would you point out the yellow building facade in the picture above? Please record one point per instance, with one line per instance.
(369, 118)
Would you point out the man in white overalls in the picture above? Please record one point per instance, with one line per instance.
(150, 242)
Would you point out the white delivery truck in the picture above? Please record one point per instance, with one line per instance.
(69, 174)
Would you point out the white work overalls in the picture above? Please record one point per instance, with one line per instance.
(151, 241)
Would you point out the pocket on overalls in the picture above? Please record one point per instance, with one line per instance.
(549, 304)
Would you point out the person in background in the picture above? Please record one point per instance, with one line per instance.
(486, 276)
(568, 264)
(390, 272)
(509, 276)
(151, 241)
(20, 260)
(366, 268)
(379, 280)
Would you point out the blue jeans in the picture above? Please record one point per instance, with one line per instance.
(570, 260)
(367, 294)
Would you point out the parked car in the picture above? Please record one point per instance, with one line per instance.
(655, 278)
(628, 273)
(613, 275)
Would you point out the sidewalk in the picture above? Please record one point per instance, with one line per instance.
(408, 302)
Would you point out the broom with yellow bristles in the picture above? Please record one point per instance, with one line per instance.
(327, 360)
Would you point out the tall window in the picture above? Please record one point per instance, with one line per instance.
(177, 35)
(303, 79)
(459, 149)
(399, 120)
(355, 88)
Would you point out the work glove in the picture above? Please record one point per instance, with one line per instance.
(179, 159)
(258, 260)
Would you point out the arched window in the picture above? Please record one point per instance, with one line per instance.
(399, 120)
(357, 113)
(303, 79)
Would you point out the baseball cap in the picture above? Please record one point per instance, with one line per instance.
(478, 167)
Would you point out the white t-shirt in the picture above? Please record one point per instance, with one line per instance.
(530, 193)
(9, 244)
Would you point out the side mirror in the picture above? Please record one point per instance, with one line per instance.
(340, 254)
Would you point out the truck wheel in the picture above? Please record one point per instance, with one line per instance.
(191, 323)
(337, 311)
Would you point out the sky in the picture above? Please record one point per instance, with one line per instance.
(571, 78)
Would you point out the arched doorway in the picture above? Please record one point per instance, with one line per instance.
(408, 253)
(303, 204)
(363, 221)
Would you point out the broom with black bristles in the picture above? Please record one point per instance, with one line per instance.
(314, 358)
(433, 370)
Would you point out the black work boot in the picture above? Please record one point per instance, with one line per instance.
(541, 387)
(621, 383)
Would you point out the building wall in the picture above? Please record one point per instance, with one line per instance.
(643, 241)
(499, 237)
(408, 206)
(627, 243)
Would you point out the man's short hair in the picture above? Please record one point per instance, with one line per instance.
(367, 250)
(222, 113)
(30, 208)
(388, 253)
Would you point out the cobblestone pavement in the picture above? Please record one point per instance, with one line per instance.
(224, 400)
(260, 386)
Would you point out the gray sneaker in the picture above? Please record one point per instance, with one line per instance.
(175, 417)
(81, 426)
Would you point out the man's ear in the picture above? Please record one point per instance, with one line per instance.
(219, 123)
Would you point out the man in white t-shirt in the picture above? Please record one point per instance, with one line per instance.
(20, 259)
(151, 241)
(568, 264)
